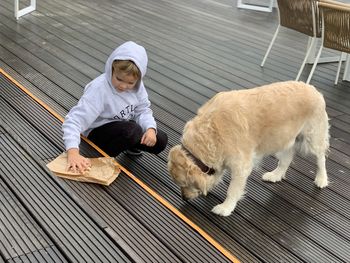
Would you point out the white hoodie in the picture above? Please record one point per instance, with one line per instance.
(101, 103)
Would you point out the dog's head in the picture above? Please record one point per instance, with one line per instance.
(187, 175)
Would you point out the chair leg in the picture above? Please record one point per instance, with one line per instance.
(312, 44)
(315, 64)
(270, 46)
(339, 66)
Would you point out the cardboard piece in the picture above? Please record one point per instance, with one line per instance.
(103, 170)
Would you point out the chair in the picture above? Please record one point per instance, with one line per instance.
(301, 16)
(335, 17)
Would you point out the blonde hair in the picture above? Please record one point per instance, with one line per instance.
(127, 67)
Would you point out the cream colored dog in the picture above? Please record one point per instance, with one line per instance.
(235, 129)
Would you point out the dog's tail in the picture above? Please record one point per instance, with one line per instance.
(314, 137)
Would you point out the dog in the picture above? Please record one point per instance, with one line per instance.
(236, 129)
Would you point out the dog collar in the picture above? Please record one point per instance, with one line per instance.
(205, 169)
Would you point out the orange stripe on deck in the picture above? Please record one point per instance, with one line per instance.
(159, 198)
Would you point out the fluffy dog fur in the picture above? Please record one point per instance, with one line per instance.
(236, 128)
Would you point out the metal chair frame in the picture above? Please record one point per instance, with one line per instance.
(303, 26)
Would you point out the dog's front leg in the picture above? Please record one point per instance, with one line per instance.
(235, 191)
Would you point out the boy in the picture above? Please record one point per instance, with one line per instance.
(114, 111)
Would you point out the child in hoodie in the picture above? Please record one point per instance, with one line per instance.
(114, 111)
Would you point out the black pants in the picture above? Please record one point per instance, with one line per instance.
(116, 137)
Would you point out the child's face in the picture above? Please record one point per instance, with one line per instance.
(123, 82)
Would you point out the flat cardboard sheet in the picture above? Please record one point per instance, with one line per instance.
(103, 170)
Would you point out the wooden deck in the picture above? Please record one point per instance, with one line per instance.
(196, 48)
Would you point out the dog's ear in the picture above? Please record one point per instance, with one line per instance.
(197, 178)
(173, 159)
(200, 181)
(173, 151)
(181, 169)
(177, 163)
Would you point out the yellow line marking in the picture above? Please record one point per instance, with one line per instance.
(158, 197)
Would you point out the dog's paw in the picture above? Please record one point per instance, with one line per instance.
(321, 181)
(222, 210)
(272, 177)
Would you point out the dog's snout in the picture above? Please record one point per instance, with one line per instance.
(184, 197)
(189, 193)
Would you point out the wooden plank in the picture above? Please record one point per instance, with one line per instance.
(22, 236)
(69, 227)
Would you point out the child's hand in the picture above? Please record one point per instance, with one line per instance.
(149, 138)
(77, 163)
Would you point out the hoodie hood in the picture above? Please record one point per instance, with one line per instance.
(127, 51)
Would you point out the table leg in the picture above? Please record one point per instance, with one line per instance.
(24, 11)
(268, 8)
(346, 75)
